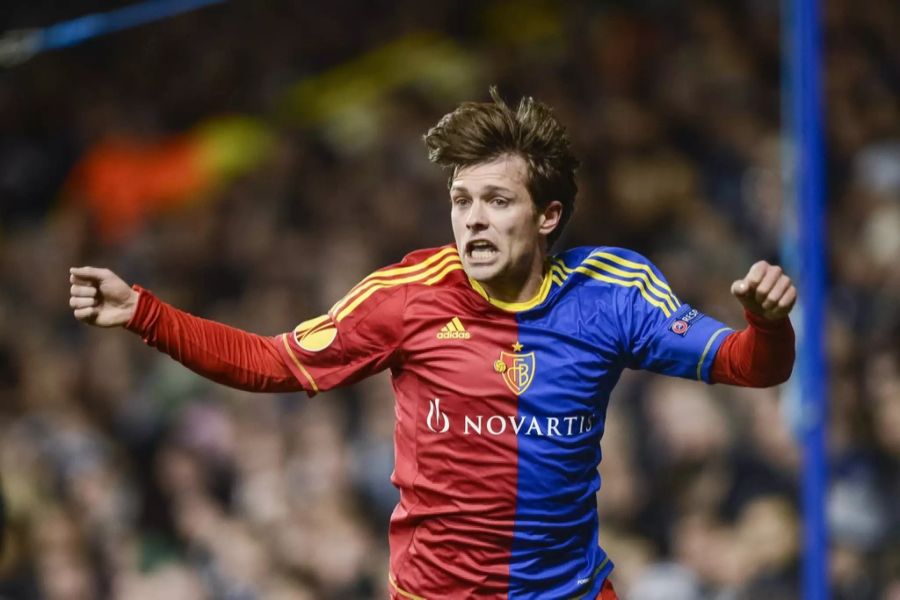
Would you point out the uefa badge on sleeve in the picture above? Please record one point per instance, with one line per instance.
(681, 325)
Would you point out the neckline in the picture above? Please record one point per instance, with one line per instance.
(538, 298)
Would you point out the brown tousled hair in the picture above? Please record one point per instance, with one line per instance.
(478, 132)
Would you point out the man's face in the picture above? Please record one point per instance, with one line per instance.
(498, 230)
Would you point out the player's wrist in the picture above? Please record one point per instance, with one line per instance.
(129, 308)
(762, 321)
(136, 309)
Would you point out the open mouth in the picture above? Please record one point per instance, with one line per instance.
(481, 250)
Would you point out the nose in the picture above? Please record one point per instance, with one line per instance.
(476, 218)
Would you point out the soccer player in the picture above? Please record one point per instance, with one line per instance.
(502, 357)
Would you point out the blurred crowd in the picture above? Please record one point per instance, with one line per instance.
(127, 476)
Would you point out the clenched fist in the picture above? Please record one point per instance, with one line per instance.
(766, 291)
(100, 297)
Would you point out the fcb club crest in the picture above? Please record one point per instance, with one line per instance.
(517, 369)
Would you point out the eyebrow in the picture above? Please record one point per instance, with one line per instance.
(488, 189)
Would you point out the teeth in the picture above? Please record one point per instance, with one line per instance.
(480, 253)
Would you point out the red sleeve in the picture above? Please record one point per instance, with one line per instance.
(762, 355)
(223, 354)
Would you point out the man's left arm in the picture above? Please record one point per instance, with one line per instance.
(762, 354)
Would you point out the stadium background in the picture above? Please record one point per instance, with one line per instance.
(249, 162)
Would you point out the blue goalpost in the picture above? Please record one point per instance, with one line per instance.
(804, 251)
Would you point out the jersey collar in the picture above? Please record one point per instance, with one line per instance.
(515, 306)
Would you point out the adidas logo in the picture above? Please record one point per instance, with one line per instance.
(453, 330)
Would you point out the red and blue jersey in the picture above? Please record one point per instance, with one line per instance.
(500, 409)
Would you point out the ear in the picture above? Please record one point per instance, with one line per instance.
(549, 217)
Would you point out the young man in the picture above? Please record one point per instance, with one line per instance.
(502, 357)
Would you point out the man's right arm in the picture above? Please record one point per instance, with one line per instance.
(221, 353)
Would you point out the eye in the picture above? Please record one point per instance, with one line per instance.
(460, 201)
(499, 201)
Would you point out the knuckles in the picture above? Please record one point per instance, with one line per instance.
(770, 290)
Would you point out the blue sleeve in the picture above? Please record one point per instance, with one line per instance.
(663, 335)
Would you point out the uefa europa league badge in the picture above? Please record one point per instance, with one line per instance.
(516, 368)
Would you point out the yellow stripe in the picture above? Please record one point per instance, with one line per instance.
(387, 273)
(664, 295)
(401, 591)
(594, 275)
(709, 344)
(456, 266)
(649, 286)
(600, 277)
(458, 324)
(515, 306)
(451, 263)
(633, 265)
(451, 326)
(562, 267)
(297, 362)
(559, 271)
(406, 270)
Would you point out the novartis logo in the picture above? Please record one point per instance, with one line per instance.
(437, 421)
(494, 425)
